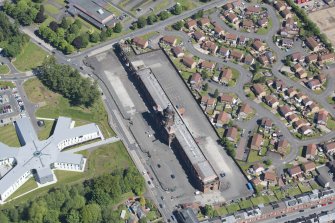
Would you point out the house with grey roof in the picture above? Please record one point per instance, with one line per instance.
(39, 158)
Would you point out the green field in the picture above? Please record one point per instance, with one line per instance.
(4, 69)
(54, 105)
(8, 136)
(104, 159)
(51, 9)
(7, 84)
(27, 186)
(45, 131)
(31, 57)
(253, 156)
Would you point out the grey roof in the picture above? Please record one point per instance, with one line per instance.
(187, 216)
(92, 10)
(183, 135)
(39, 155)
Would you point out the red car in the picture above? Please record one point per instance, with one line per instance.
(323, 205)
(330, 202)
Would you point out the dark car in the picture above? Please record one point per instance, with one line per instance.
(173, 176)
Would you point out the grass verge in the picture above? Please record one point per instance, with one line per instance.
(4, 69)
(8, 136)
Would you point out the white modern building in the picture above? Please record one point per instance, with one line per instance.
(39, 158)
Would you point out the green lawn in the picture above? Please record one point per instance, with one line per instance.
(149, 35)
(304, 188)
(161, 5)
(293, 191)
(222, 211)
(4, 69)
(104, 159)
(45, 130)
(27, 186)
(263, 31)
(331, 100)
(113, 10)
(253, 156)
(61, 2)
(187, 4)
(7, 84)
(245, 204)
(262, 200)
(331, 123)
(31, 57)
(54, 105)
(8, 136)
(232, 208)
(51, 9)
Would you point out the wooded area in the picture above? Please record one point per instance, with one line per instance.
(67, 81)
(11, 39)
(92, 201)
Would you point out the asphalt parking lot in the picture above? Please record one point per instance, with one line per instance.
(11, 105)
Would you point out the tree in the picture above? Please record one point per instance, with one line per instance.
(204, 74)
(3, 218)
(141, 22)
(152, 18)
(198, 14)
(73, 217)
(178, 25)
(94, 37)
(117, 28)
(216, 93)
(77, 22)
(142, 201)
(91, 213)
(109, 32)
(268, 162)
(74, 29)
(103, 35)
(40, 17)
(51, 216)
(205, 87)
(164, 15)
(209, 211)
(53, 26)
(178, 9)
(65, 23)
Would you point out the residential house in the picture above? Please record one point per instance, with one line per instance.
(321, 77)
(263, 22)
(218, 30)
(310, 151)
(295, 171)
(287, 42)
(177, 51)
(236, 55)
(314, 84)
(297, 67)
(207, 65)
(305, 130)
(204, 22)
(252, 10)
(226, 75)
(312, 44)
(264, 60)
(247, 24)
(297, 57)
(256, 142)
(191, 24)
(258, 45)
(326, 58)
(224, 51)
(279, 85)
(140, 42)
(204, 100)
(227, 99)
(196, 80)
(308, 166)
(244, 110)
(306, 101)
(228, 6)
(291, 92)
(199, 36)
(286, 13)
(270, 178)
(211, 102)
(169, 40)
(301, 74)
(231, 38)
(231, 134)
(312, 58)
(329, 148)
(299, 123)
(258, 90)
(280, 6)
(249, 60)
(322, 117)
(282, 146)
(231, 17)
(189, 62)
(255, 181)
(266, 123)
(271, 101)
(292, 118)
(313, 108)
(300, 96)
(222, 119)
(210, 46)
(285, 110)
(270, 56)
(258, 168)
(242, 40)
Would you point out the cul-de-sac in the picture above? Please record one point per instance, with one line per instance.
(184, 111)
